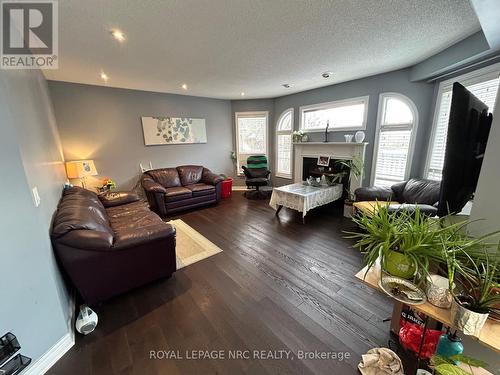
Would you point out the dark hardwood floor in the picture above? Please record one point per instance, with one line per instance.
(278, 285)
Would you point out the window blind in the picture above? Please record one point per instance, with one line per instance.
(486, 91)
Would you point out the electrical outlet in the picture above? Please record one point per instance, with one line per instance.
(36, 196)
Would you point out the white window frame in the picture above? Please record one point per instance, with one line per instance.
(250, 114)
(337, 103)
(414, 127)
(284, 132)
(483, 74)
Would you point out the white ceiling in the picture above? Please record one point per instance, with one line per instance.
(223, 47)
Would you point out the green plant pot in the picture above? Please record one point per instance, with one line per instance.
(399, 265)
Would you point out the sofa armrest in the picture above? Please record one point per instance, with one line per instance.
(87, 239)
(210, 178)
(152, 186)
(138, 236)
(373, 193)
(112, 198)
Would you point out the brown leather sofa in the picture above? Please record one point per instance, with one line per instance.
(110, 244)
(170, 190)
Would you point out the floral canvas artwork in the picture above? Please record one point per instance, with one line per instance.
(173, 130)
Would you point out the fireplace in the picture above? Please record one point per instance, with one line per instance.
(310, 168)
(306, 152)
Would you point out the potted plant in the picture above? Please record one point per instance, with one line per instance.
(354, 168)
(449, 366)
(477, 293)
(405, 243)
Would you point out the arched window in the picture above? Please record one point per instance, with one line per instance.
(396, 128)
(284, 128)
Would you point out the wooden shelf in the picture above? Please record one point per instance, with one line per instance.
(489, 335)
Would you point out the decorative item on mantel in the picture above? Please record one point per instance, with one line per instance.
(326, 131)
(348, 138)
(359, 136)
(299, 136)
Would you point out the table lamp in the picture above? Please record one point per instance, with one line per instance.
(80, 169)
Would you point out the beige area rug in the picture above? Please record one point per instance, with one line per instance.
(191, 246)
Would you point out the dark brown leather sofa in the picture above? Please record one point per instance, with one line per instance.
(110, 244)
(170, 190)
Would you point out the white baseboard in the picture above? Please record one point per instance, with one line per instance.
(51, 356)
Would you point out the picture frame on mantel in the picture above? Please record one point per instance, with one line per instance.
(173, 130)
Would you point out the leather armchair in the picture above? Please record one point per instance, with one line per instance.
(171, 190)
(406, 195)
(111, 243)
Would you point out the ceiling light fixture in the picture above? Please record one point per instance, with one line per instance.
(327, 74)
(286, 85)
(118, 35)
(184, 86)
(242, 93)
(104, 77)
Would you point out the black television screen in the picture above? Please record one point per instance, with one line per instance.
(468, 129)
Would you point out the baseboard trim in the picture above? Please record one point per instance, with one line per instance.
(54, 354)
(46, 361)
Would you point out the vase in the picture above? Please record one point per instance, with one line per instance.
(305, 138)
(438, 291)
(359, 136)
(348, 138)
(399, 265)
(467, 321)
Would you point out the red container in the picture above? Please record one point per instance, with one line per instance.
(227, 188)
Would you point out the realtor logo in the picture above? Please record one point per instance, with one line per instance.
(29, 34)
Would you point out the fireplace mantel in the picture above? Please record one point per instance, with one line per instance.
(335, 150)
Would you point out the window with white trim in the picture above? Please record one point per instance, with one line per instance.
(396, 128)
(349, 114)
(251, 136)
(284, 128)
(484, 84)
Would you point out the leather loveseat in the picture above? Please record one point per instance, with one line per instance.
(170, 190)
(406, 195)
(110, 244)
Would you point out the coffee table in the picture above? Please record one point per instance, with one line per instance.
(303, 198)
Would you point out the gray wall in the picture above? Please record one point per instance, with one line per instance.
(104, 124)
(398, 81)
(34, 303)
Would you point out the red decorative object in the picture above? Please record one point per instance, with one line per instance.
(227, 188)
(410, 336)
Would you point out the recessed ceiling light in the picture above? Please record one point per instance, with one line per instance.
(327, 74)
(184, 86)
(118, 35)
(242, 93)
(104, 76)
(286, 85)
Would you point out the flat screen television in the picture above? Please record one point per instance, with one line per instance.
(468, 129)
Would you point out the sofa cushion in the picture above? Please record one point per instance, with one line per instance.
(177, 193)
(167, 177)
(117, 198)
(421, 191)
(190, 174)
(201, 189)
(80, 209)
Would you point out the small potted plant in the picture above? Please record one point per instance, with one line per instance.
(298, 136)
(107, 185)
(477, 293)
(354, 167)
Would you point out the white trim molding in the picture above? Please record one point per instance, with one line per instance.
(335, 104)
(284, 132)
(410, 126)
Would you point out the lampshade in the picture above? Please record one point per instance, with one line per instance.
(80, 168)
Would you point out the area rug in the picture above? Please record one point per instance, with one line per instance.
(191, 246)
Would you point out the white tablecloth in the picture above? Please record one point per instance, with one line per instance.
(303, 198)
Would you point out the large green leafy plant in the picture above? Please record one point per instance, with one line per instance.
(447, 366)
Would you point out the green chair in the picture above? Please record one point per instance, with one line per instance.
(257, 175)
